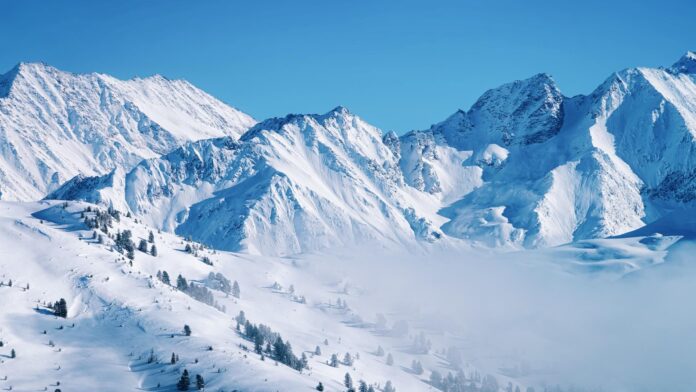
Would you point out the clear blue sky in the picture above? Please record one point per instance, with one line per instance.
(401, 65)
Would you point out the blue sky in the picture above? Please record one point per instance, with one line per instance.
(401, 65)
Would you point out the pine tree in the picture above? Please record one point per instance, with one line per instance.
(13, 353)
(241, 317)
(334, 360)
(200, 384)
(417, 367)
(390, 359)
(184, 381)
(436, 379)
(317, 351)
(320, 387)
(380, 351)
(181, 283)
(130, 253)
(348, 359)
(165, 278)
(153, 250)
(142, 246)
(235, 289)
(173, 360)
(362, 387)
(151, 238)
(187, 330)
(388, 387)
(348, 381)
(60, 308)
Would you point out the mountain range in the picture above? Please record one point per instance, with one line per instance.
(525, 166)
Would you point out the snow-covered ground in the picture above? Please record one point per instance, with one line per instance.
(119, 314)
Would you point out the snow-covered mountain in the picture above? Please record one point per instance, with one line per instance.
(524, 166)
(55, 125)
(555, 169)
(289, 185)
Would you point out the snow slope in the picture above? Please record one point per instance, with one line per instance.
(119, 315)
(55, 125)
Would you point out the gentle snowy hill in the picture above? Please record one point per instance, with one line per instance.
(55, 125)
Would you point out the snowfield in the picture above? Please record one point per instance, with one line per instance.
(118, 313)
(123, 323)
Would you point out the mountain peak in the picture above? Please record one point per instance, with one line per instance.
(340, 109)
(686, 64)
(24, 70)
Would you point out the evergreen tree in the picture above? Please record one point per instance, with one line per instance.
(348, 381)
(200, 384)
(362, 387)
(388, 387)
(380, 351)
(417, 367)
(151, 238)
(334, 360)
(184, 381)
(142, 246)
(235, 289)
(173, 360)
(188, 248)
(348, 359)
(60, 308)
(13, 353)
(370, 389)
(130, 253)
(187, 330)
(320, 387)
(317, 351)
(165, 278)
(390, 359)
(181, 283)
(241, 317)
(436, 379)
(153, 250)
